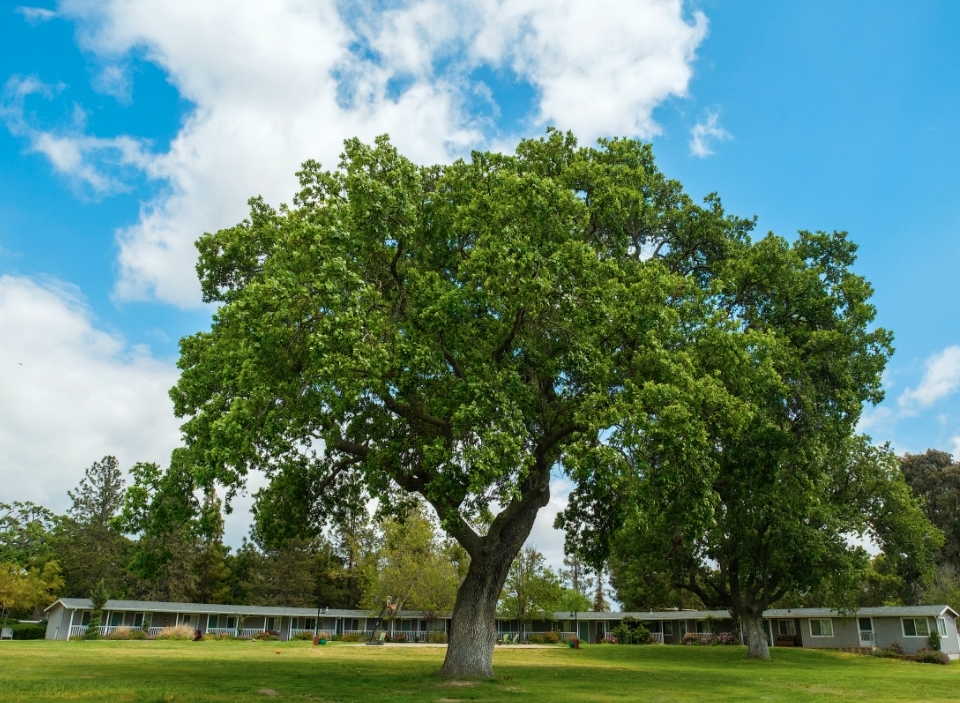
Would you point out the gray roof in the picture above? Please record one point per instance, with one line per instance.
(211, 609)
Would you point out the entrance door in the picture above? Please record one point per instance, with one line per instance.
(867, 636)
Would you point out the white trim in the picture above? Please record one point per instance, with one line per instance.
(923, 619)
(942, 627)
(821, 620)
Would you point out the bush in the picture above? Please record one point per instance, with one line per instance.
(610, 639)
(27, 631)
(929, 656)
(631, 631)
(690, 638)
(933, 640)
(351, 637)
(534, 638)
(178, 632)
(727, 638)
(121, 633)
(93, 627)
(267, 636)
(303, 636)
(437, 637)
(551, 637)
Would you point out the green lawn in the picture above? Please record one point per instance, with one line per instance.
(235, 671)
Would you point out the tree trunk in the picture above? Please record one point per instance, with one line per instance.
(473, 630)
(756, 638)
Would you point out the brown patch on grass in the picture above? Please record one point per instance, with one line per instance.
(268, 692)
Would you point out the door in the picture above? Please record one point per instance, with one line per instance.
(867, 636)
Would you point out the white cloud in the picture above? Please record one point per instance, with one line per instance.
(941, 378)
(705, 133)
(72, 393)
(276, 83)
(93, 163)
(36, 15)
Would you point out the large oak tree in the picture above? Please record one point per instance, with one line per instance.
(456, 332)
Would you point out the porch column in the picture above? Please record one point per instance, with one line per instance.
(70, 626)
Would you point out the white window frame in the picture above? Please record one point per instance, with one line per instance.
(926, 624)
(791, 625)
(942, 626)
(821, 621)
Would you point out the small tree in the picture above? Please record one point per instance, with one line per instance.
(22, 589)
(99, 596)
(532, 590)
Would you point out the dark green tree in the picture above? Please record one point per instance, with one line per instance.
(767, 509)
(449, 331)
(934, 478)
(25, 533)
(88, 545)
(99, 596)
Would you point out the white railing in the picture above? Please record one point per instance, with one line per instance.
(78, 630)
(250, 632)
(657, 637)
(154, 631)
(868, 638)
(360, 632)
(298, 630)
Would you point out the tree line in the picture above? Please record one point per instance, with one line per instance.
(99, 546)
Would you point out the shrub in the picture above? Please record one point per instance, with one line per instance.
(121, 633)
(929, 656)
(178, 632)
(137, 635)
(534, 638)
(351, 637)
(28, 631)
(437, 637)
(610, 639)
(631, 631)
(551, 637)
(690, 638)
(303, 636)
(93, 627)
(706, 638)
(727, 638)
(267, 636)
(933, 640)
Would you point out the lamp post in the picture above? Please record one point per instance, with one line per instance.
(316, 627)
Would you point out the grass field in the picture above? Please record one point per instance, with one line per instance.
(151, 672)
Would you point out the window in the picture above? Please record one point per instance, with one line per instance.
(703, 627)
(308, 623)
(942, 627)
(116, 619)
(231, 622)
(683, 627)
(787, 628)
(85, 620)
(138, 620)
(866, 624)
(915, 627)
(211, 621)
(821, 627)
(668, 628)
(601, 629)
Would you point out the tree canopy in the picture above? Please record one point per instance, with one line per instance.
(451, 331)
(769, 507)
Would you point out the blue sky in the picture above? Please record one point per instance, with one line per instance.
(129, 128)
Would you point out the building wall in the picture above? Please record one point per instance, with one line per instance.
(846, 633)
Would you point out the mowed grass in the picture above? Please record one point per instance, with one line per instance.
(152, 672)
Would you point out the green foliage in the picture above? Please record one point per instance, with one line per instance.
(763, 507)
(22, 589)
(532, 590)
(926, 656)
(933, 640)
(25, 533)
(934, 478)
(632, 631)
(455, 332)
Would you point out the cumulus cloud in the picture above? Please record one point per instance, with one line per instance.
(72, 393)
(276, 83)
(705, 133)
(941, 379)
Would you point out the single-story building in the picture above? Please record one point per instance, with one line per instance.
(864, 630)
